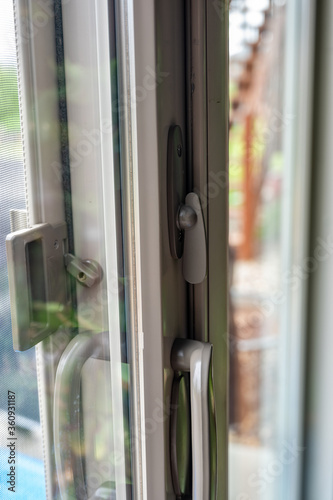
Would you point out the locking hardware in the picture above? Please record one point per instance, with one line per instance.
(38, 263)
(87, 272)
(195, 253)
(187, 236)
(186, 217)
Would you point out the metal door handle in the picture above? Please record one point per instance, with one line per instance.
(195, 357)
(66, 414)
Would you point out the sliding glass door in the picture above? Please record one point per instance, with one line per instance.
(69, 289)
(117, 254)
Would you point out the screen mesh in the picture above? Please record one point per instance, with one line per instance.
(17, 370)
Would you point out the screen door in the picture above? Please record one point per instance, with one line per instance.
(21, 454)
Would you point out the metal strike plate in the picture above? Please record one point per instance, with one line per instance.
(176, 185)
(37, 282)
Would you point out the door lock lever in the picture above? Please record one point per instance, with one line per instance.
(87, 272)
(187, 236)
(195, 255)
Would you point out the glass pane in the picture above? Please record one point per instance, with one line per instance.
(103, 448)
(19, 411)
(259, 458)
(73, 276)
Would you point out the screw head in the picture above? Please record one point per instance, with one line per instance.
(186, 217)
(56, 244)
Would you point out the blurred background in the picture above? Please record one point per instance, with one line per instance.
(258, 119)
(280, 439)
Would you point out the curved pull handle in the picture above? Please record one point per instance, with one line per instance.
(66, 414)
(195, 357)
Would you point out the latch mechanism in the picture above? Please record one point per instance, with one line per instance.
(185, 219)
(86, 272)
(38, 262)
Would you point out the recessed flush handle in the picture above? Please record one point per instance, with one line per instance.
(37, 282)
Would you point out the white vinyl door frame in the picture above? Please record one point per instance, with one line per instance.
(207, 60)
(318, 462)
(210, 152)
(295, 230)
(38, 97)
(146, 183)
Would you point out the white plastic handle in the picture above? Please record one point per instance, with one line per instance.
(66, 411)
(195, 357)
